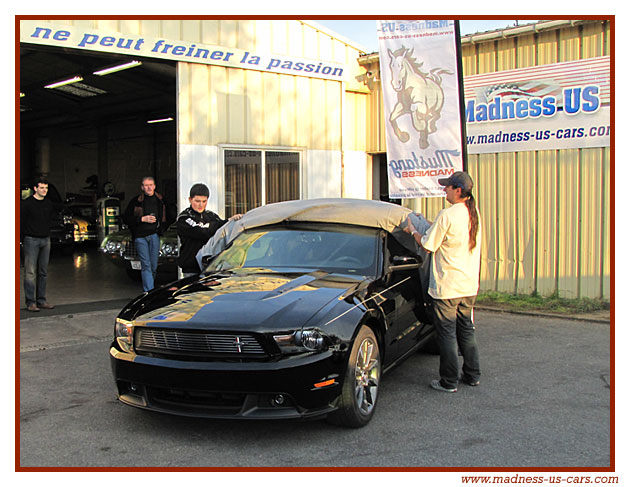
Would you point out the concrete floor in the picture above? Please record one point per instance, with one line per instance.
(85, 276)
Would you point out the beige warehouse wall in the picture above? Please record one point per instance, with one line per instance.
(220, 105)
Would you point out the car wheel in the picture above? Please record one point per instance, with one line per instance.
(360, 386)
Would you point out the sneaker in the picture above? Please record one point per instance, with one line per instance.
(437, 385)
(469, 381)
(32, 307)
(46, 306)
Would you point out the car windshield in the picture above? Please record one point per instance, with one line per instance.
(333, 248)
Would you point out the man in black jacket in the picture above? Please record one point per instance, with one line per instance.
(146, 218)
(195, 225)
(36, 213)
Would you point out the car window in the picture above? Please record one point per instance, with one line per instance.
(343, 249)
(396, 249)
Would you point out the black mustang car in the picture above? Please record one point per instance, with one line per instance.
(301, 309)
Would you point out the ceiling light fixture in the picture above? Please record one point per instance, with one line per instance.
(159, 120)
(82, 90)
(115, 69)
(68, 81)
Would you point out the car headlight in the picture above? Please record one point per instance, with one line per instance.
(123, 332)
(112, 246)
(302, 340)
(168, 249)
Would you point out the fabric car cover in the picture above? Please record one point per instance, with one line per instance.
(368, 213)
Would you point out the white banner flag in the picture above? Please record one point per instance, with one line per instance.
(418, 63)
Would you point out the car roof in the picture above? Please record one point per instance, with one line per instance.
(348, 211)
(366, 213)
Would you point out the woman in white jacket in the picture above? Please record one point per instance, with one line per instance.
(454, 238)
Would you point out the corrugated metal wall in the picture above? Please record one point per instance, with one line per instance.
(221, 105)
(546, 214)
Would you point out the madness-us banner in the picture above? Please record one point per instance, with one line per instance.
(418, 63)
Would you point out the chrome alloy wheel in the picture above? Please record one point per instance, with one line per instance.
(367, 371)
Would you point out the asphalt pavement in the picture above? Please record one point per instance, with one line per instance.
(544, 402)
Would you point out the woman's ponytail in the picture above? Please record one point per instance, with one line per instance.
(473, 224)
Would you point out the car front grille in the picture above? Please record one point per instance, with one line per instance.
(196, 401)
(189, 344)
(129, 251)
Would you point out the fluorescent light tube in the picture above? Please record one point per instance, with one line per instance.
(64, 82)
(158, 120)
(119, 67)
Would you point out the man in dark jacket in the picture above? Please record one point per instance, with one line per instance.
(145, 216)
(36, 213)
(195, 225)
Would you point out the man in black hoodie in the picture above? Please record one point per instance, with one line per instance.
(195, 225)
(146, 218)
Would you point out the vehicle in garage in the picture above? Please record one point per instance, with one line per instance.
(83, 222)
(120, 249)
(302, 308)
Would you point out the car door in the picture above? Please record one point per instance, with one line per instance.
(407, 288)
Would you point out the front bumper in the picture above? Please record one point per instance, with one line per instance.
(165, 264)
(83, 236)
(283, 389)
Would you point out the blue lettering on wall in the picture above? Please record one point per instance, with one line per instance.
(574, 100)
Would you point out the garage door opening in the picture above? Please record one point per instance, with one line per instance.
(92, 138)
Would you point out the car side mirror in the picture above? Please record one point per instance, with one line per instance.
(403, 263)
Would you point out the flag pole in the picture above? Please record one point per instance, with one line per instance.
(462, 102)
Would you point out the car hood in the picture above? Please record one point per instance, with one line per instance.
(247, 299)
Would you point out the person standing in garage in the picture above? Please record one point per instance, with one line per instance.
(195, 225)
(454, 238)
(36, 213)
(146, 218)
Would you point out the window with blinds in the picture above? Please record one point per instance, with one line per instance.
(259, 177)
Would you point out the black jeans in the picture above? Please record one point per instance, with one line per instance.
(454, 325)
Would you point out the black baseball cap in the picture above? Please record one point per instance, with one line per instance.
(458, 179)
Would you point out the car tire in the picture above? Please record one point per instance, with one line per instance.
(361, 382)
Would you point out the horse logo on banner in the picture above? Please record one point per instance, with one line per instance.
(420, 95)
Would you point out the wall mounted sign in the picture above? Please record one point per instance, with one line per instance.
(48, 34)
